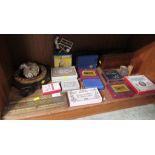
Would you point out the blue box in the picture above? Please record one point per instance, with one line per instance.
(87, 62)
(93, 83)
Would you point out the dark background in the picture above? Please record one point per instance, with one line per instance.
(40, 47)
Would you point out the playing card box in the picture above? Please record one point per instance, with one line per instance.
(70, 85)
(51, 88)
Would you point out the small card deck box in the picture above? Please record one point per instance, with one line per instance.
(70, 85)
(51, 88)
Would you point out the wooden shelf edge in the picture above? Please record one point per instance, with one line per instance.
(73, 113)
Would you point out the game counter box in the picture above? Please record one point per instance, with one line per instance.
(119, 89)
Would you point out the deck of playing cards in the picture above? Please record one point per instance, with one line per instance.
(51, 88)
(70, 85)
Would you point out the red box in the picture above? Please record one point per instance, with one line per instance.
(51, 88)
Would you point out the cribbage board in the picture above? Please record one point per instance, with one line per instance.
(32, 105)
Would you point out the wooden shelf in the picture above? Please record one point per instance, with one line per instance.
(39, 48)
(61, 110)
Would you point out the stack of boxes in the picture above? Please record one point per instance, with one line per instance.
(65, 79)
(88, 72)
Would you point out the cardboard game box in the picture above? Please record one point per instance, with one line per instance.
(51, 88)
(84, 97)
(87, 62)
(70, 85)
(140, 84)
(62, 60)
(111, 75)
(59, 74)
(119, 89)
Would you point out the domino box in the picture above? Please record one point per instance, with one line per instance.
(84, 97)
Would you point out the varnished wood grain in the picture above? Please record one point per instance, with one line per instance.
(144, 61)
(31, 47)
(116, 60)
(71, 113)
(5, 72)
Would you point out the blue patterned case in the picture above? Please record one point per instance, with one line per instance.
(93, 83)
(87, 62)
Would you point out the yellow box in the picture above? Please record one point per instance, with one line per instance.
(62, 60)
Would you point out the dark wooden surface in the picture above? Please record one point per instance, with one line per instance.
(138, 41)
(116, 60)
(36, 47)
(5, 72)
